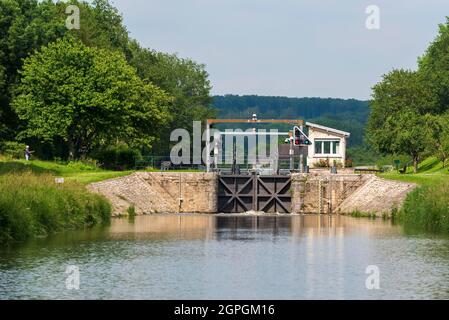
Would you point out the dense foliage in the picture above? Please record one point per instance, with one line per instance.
(87, 97)
(70, 92)
(119, 157)
(410, 109)
(25, 25)
(185, 80)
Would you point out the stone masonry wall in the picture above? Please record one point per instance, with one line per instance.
(378, 196)
(161, 192)
(321, 192)
(316, 192)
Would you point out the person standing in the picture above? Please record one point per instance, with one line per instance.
(27, 153)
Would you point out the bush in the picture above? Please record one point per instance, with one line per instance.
(427, 208)
(13, 149)
(322, 163)
(349, 163)
(118, 158)
(84, 165)
(360, 214)
(34, 205)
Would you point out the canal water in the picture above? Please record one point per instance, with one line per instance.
(230, 257)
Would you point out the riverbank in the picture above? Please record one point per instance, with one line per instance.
(33, 204)
(427, 207)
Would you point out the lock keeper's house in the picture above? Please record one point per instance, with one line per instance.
(328, 145)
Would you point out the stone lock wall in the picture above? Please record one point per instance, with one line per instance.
(320, 192)
(197, 192)
(161, 192)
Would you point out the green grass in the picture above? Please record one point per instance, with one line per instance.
(84, 176)
(430, 172)
(34, 205)
(70, 172)
(427, 207)
(419, 178)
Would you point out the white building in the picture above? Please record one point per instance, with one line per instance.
(328, 144)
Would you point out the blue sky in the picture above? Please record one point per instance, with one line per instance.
(296, 48)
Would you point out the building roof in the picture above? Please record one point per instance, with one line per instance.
(327, 129)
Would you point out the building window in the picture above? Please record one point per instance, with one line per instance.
(336, 147)
(318, 146)
(327, 147)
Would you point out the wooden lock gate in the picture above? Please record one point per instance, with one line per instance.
(252, 192)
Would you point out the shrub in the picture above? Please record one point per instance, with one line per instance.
(131, 211)
(84, 165)
(322, 163)
(34, 205)
(118, 158)
(360, 214)
(15, 150)
(349, 163)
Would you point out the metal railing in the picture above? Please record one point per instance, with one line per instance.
(164, 163)
(242, 165)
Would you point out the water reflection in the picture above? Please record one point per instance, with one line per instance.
(229, 257)
(219, 226)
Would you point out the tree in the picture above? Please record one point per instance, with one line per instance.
(397, 124)
(25, 25)
(438, 130)
(434, 69)
(184, 79)
(87, 97)
(101, 25)
(443, 146)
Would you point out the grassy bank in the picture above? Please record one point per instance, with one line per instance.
(34, 205)
(430, 172)
(71, 172)
(427, 207)
(77, 171)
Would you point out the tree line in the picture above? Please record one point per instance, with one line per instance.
(71, 93)
(410, 108)
(345, 114)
